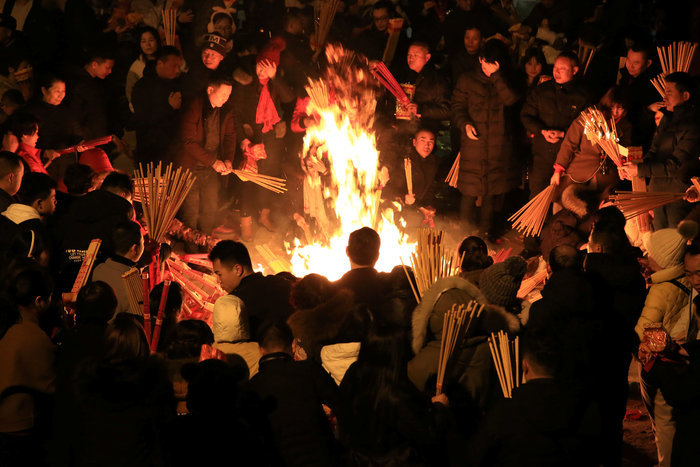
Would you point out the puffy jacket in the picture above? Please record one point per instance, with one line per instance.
(486, 165)
(193, 135)
(230, 328)
(337, 358)
(668, 303)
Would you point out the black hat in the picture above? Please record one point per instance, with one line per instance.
(216, 42)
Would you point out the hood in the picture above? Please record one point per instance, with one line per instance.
(427, 311)
(229, 320)
(19, 213)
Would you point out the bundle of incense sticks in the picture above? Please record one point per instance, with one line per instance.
(84, 272)
(502, 255)
(634, 203)
(639, 184)
(274, 184)
(585, 55)
(409, 174)
(384, 76)
(319, 97)
(169, 25)
(324, 12)
(159, 316)
(677, 56)
(530, 218)
(146, 284)
(162, 194)
(529, 284)
(134, 290)
(453, 175)
(601, 132)
(455, 326)
(275, 263)
(93, 143)
(660, 84)
(431, 261)
(395, 26)
(506, 359)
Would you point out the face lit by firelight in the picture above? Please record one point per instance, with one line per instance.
(424, 142)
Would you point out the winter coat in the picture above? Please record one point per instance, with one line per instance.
(337, 321)
(641, 94)
(680, 385)
(230, 327)
(291, 394)
(22, 232)
(369, 286)
(58, 125)
(545, 424)
(423, 173)
(87, 101)
(486, 166)
(337, 358)
(583, 161)
(111, 272)
(5, 200)
(672, 158)
(668, 303)
(266, 298)
(155, 120)
(246, 98)
(432, 95)
(473, 367)
(193, 135)
(28, 358)
(551, 106)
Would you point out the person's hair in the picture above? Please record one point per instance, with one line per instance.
(49, 79)
(310, 291)
(363, 246)
(424, 129)
(35, 185)
(616, 95)
(422, 45)
(125, 235)
(118, 181)
(154, 33)
(164, 53)
(9, 163)
(683, 81)
(78, 179)
(471, 25)
(30, 284)
(102, 53)
(494, 51)
(125, 340)
(212, 386)
(172, 307)
(541, 347)
(188, 338)
(565, 257)
(610, 239)
(476, 254)
(693, 249)
(383, 4)
(610, 217)
(13, 97)
(231, 253)
(275, 336)
(96, 304)
(381, 370)
(218, 79)
(571, 55)
(22, 124)
(537, 54)
(643, 49)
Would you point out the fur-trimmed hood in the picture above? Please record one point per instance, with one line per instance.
(439, 298)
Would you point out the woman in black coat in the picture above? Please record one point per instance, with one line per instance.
(481, 105)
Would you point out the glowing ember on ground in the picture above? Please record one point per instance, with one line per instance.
(344, 104)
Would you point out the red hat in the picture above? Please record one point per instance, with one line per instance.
(272, 51)
(97, 159)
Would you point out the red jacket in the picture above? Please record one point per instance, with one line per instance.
(32, 156)
(193, 153)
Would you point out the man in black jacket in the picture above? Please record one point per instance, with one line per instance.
(265, 298)
(672, 159)
(157, 100)
(547, 114)
(88, 97)
(635, 80)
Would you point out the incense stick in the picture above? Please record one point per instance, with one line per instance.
(431, 261)
(601, 132)
(409, 175)
(324, 13)
(395, 26)
(274, 184)
(453, 175)
(455, 327)
(506, 359)
(635, 203)
(530, 218)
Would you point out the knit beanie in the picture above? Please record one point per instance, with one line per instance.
(272, 51)
(667, 246)
(215, 42)
(500, 282)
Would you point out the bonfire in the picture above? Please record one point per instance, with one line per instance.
(348, 194)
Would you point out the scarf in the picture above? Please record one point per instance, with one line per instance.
(266, 112)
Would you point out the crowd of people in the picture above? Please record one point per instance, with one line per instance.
(308, 371)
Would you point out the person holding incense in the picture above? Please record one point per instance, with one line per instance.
(672, 158)
(582, 162)
(547, 113)
(128, 248)
(208, 135)
(481, 109)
